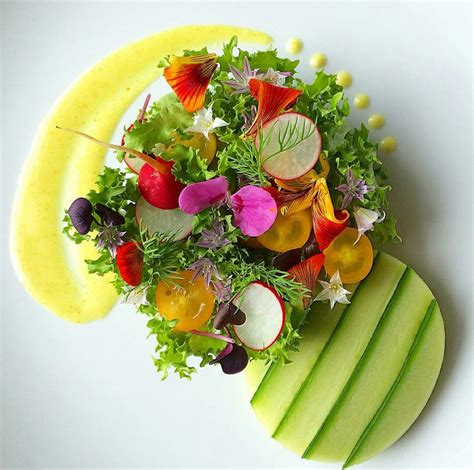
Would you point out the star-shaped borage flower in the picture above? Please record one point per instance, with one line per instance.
(334, 291)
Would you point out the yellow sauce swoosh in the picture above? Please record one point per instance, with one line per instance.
(62, 166)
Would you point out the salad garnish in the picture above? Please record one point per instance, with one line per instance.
(233, 193)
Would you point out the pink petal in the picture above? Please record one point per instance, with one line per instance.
(196, 197)
(255, 210)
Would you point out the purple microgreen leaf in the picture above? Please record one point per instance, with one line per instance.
(80, 213)
(233, 360)
(287, 260)
(108, 216)
(225, 352)
(228, 313)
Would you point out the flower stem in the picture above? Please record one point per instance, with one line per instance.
(227, 339)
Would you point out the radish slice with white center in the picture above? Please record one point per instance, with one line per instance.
(299, 136)
(135, 164)
(163, 221)
(264, 316)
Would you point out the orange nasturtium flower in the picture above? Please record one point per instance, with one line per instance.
(327, 222)
(189, 78)
(272, 100)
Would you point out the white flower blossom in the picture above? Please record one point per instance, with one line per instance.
(365, 220)
(334, 291)
(204, 122)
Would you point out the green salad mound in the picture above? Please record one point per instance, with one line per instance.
(209, 183)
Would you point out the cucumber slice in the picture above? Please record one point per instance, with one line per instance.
(363, 374)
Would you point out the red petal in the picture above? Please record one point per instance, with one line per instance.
(327, 223)
(272, 100)
(130, 263)
(306, 273)
(189, 77)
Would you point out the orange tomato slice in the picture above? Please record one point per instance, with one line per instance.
(354, 261)
(288, 232)
(191, 303)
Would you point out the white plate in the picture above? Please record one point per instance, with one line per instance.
(88, 396)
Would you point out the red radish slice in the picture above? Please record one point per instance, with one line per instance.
(303, 142)
(135, 164)
(163, 221)
(265, 316)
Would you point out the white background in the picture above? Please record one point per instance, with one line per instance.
(88, 396)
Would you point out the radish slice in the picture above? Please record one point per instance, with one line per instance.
(134, 163)
(265, 316)
(302, 139)
(163, 221)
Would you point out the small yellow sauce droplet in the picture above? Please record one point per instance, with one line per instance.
(318, 60)
(294, 45)
(361, 101)
(376, 121)
(388, 144)
(344, 79)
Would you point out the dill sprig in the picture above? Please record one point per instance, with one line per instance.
(163, 255)
(246, 155)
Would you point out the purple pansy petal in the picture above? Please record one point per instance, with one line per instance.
(254, 209)
(196, 197)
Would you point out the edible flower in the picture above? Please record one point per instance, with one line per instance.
(365, 220)
(111, 238)
(189, 77)
(353, 189)
(80, 213)
(205, 123)
(272, 100)
(254, 209)
(306, 273)
(207, 269)
(327, 223)
(213, 237)
(240, 83)
(130, 263)
(196, 197)
(228, 313)
(334, 291)
(136, 297)
(249, 117)
(275, 77)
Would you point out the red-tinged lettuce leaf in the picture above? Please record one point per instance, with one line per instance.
(130, 263)
(327, 223)
(272, 100)
(189, 78)
(307, 273)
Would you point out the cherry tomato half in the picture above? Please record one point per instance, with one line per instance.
(191, 303)
(354, 262)
(288, 232)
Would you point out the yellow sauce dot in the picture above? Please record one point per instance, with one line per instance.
(318, 60)
(361, 101)
(344, 79)
(388, 144)
(376, 121)
(294, 45)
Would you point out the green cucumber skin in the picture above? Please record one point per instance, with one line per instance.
(367, 443)
(386, 273)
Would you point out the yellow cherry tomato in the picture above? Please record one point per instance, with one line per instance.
(288, 232)
(191, 303)
(354, 262)
(207, 147)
